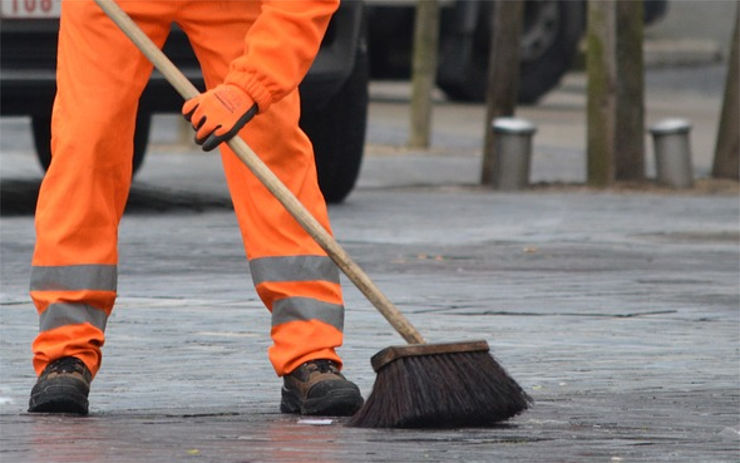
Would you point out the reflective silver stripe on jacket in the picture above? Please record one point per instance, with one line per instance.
(74, 277)
(305, 308)
(293, 268)
(70, 313)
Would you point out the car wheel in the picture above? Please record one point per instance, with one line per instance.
(337, 131)
(551, 32)
(41, 126)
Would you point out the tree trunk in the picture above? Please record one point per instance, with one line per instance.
(726, 156)
(424, 69)
(630, 130)
(503, 75)
(602, 92)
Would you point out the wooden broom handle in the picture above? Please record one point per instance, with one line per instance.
(187, 90)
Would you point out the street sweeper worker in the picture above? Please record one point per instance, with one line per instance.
(253, 54)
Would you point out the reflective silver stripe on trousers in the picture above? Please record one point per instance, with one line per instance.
(69, 313)
(294, 268)
(305, 308)
(74, 277)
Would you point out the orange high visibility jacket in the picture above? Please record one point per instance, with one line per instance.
(280, 47)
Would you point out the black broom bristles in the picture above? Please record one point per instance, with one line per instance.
(441, 391)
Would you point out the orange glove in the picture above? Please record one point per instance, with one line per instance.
(218, 114)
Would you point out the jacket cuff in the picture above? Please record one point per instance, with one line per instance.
(250, 83)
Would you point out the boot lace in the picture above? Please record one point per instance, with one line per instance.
(322, 366)
(66, 365)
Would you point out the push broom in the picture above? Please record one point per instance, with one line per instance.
(418, 385)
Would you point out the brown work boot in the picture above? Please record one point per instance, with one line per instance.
(62, 388)
(317, 388)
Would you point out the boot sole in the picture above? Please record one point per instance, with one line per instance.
(339, 402)
(62, 396)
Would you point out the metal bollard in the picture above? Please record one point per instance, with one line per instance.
(673, 153)
(513, 148)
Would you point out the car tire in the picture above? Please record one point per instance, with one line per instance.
(337, 132)
(542, 68)
(41, 127)
(552, 30)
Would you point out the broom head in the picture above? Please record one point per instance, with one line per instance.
(446, 385)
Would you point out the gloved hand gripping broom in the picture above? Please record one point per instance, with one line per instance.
(418, 385)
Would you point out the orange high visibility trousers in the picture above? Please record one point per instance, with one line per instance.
(100, 76)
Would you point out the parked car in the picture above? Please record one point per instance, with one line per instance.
(551, 33)
(334, 93)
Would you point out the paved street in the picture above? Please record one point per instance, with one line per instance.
(617, 310)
